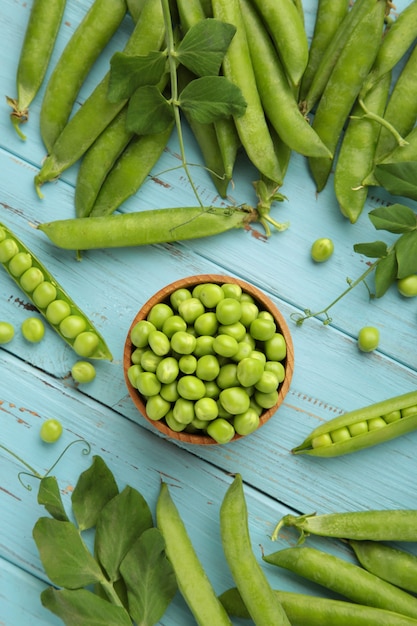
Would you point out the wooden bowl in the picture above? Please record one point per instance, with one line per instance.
(190, 282)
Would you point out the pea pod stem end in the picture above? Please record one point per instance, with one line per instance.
(292, 520)
(17, 116)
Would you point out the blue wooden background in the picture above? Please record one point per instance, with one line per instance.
(331, 375)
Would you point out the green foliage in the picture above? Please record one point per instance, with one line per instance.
(400, 179)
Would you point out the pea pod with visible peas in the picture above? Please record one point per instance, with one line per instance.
(344, 85)
(41, 33)
(305, 609)
(65, 317)
(192, 580)
(88, 41)
(363, 427)
(262, 603)
(391, 564)
(347, 579)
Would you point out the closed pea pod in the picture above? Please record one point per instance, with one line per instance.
(254, 587)
(305, 609)
(391, 564)
(46, 293)
(237, 67)
(41, 33)
(276, 94)
(347, 579)
(86, 125)
(357, 152)
(192, 580)
(320, 441)
(286, 27)
(344, 85)
(375, 525)
(87, 42)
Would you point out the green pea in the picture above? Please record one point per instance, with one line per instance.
(148, 384)
(183, 411)
(150, 360)
(250, 312)
(173, 324)
(206, 409)
(247, 422)
(157, 407)
(277, 368)
(392, 416)
(20, 263)
(167, 370)
(340, 434)
(212, 389)
(210, 295)
(169, 391)
(227, 376)
(132, 373)
(191, 309)
(321, 441)
(31, 278)
(228, 311)
(159, 314)
(183, 342)
(173, 423)
(409, 410)
(257, 354)
(266, 400)
(203, 345)
(236, 330)
(178, 296)
(206, 324)
(158, 342)
(224, 345)
(191, 388)
(33, 329)
(276, 347)
(57, 311)
(262, 329)
(208, 367)
(8, 249)
(83, 372)
(6, 332)
(136, 355)
(44, 294)
(86, 343)
(72, 326)
(187, 364)
(359, 428)
(249, 371)
(376, 423)
(244, 350)
(267, 383)
(235, 400)
(221, 430)
(140, 333)
(232, 290)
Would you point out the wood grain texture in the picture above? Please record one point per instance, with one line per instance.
(330, 376)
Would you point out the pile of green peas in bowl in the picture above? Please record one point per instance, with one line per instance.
(208, 359)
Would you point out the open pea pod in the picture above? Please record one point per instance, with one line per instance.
(56, 306)
(363, 427)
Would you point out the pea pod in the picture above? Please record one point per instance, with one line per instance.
(305, 609)
(357, 151)
(363, 427)
(41, 288)
(192, 580)
(276, 94)
(344, 85)
(378, 525)
(252, 126)
(87, 42)
(41, 33)
(86, 125)
(344, 578)
(391, 564)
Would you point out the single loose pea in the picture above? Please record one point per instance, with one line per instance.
(191, 388)
(167, 370)
(57, 311)
(44, 294)
(173, 324)
(322, 249)
(187, 364)
(236, 330)
(407, 286)
(203, 345)
(249, 371)
(72, 326)
(206, 324)
(368, 338)
(169, 391)
(183, 342)
(158, 342)
(83, 372)
(140, 333)
(206, 409)
(243, 351)
(227, 376)
(8, 249)
(208, 367)
(150, 360)
(159, 313)
(157, 407)
(249, 313)
(267, 383)
(232, 290)
(221, 430)
(262, 329)
(225, 345)
(20, 263)
(247, 422)
(191, 309)
(266, 400)
(173, 423)
(148, 384)
(210, 295)
(132, 373)
(31, 278)
(33, 329)
(6, 332)
(234, 400)
(51, 430)
(178, 296)
(277, 368)
(136, 355)
(183, 411)
(85, 343)
(228, 311)
(276, 347)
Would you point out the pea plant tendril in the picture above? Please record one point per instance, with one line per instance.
(207, 98)
(392, 263)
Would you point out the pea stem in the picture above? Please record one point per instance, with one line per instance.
(377, 118)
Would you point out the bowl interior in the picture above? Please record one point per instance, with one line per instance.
(163, 296)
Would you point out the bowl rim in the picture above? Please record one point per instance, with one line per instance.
(191, 281)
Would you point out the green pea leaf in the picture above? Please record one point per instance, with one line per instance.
(50, 497)
(76, 607)
(204, 45)
(129, 72)
(148, 112)
(406, 252)
(385, 274)
(94, 488)
(149, 577)
(400, 179)
(396, 218)
(131, 515)
(211, 98)
(64, 555)
(374, 250)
